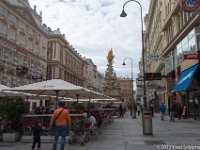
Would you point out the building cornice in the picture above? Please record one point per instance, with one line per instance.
(31, 21)
(170, 15)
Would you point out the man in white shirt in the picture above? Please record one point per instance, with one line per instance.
(92, 120)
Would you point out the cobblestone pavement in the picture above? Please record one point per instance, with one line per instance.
(127, 134)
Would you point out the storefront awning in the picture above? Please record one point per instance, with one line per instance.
(185, 79)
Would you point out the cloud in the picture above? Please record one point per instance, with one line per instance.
(92, 27)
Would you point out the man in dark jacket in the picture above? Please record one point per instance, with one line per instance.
(172, 111)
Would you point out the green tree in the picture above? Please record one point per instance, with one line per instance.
(11, 109)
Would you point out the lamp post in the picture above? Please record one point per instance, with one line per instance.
(131, 71)
(123, 14)
(131, 65)
(132, 101)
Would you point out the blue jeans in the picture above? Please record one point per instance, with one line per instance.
(59, 130)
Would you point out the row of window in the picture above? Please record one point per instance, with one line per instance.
(27, 37)
(12, 57)
(64, 56)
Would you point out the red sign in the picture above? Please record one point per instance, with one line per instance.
(191, 56)
(190, 5)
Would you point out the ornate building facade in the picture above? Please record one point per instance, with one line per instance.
(63, 61)
(30, 51)
(23, 43)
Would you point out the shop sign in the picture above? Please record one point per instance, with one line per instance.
(190, 5)
(191, 56)
(37, 77)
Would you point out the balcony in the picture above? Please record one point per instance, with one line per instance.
(21, 70)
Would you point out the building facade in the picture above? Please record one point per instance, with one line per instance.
(172, 33)
(126, 90)
(63, 61)
(93, 79)
(23, 44)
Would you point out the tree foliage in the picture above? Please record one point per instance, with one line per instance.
(11, 108)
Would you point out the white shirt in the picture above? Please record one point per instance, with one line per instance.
(92, 120)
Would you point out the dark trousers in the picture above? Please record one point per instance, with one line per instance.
(36, 140)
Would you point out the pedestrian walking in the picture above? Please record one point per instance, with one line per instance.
(162, 111)
(37, 131)
(130, 106)
(151, 108)
(61, 122)
(172, 111)
(138, 109)
(184, 113)
(179, 111)
(121, 111)
(134, 110)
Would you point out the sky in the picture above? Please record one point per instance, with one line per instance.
(93, 27)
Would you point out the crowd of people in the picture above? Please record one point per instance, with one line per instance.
(175, 110)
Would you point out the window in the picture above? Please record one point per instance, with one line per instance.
(30, 45)
(1, 52)
(30, 32)
(10, 56)
(22, 39)
(2, 28)
(22, 26)
(12, 34)
(36, 48)
(13, 19)
(3, 12)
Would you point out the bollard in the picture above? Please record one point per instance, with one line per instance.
(147, 123)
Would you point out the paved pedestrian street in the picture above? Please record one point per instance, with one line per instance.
(126, 134)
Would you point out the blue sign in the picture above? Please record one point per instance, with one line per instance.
(37, 77)
(185, 79)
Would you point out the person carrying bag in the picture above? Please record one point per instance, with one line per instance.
(60, 122)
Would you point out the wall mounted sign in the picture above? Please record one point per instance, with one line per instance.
(190, 5)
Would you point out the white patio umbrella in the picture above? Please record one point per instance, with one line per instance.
(9, 93)
(2, 93)
(57, 87)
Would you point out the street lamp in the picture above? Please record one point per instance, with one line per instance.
(132, 101)
(123, 14)
(131, 65)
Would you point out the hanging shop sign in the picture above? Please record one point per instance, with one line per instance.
(190, 5)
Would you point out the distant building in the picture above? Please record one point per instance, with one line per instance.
(126, 89)
(93, 79)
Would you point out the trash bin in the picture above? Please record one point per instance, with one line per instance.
(147, 123)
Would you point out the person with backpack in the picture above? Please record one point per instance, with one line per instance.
(60, 122)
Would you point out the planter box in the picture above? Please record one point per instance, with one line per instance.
(11, 137)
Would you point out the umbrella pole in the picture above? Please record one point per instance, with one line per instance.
(77, 96)
(89, 106)
(27, 106)
(57, 91)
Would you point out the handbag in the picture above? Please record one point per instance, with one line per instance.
(54, 122)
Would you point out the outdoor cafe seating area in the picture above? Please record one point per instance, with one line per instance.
(81, 131)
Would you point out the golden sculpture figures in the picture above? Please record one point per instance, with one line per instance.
(110, 56)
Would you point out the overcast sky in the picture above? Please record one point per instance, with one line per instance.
(92, 27)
